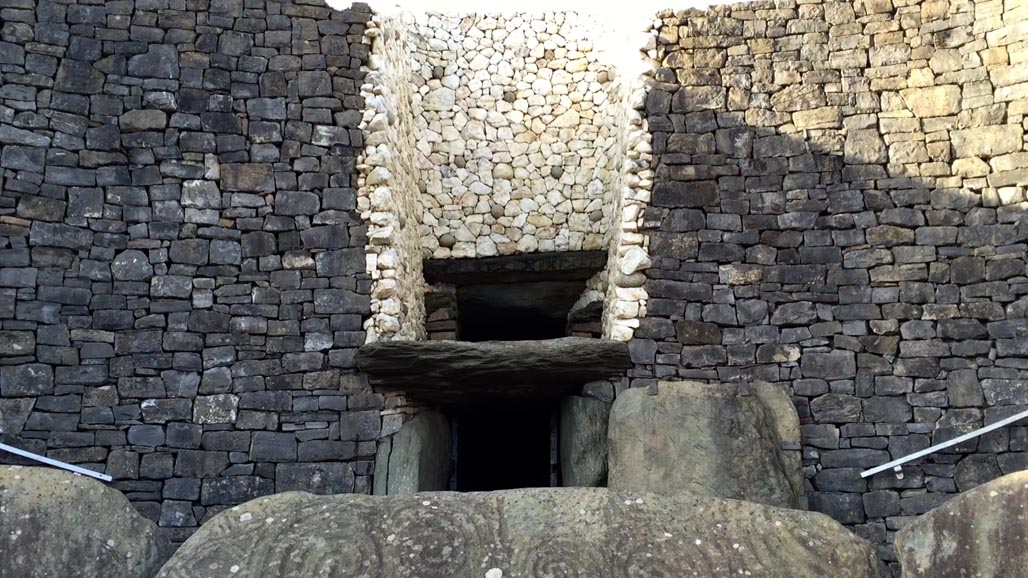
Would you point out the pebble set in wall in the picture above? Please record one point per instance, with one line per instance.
(523, 141)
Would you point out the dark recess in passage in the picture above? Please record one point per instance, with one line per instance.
(515, 297)
(516, 311)
(502, 449)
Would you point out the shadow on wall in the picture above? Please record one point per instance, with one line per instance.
(182, 278)
(841, 212)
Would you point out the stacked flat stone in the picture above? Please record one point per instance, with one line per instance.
(182, 278)
(839, 208)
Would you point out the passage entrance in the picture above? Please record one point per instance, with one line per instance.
(503, 448)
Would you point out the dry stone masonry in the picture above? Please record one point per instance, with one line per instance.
(494, 135)
(208, 206)
(839, 208)
(182, 283)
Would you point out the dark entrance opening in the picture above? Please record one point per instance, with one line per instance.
(511, 298)
(516, 311)
(503, 448)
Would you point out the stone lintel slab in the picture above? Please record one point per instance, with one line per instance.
(461, 371)
(559, 266)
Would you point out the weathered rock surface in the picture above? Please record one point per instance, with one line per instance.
(417, 458)
(707, 440)
(55, 523)
(583, 441)
(565, 265)
(539, 533)
(981, 533)
(455, 371)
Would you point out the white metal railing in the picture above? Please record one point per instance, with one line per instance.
(54, 463)
(897, 465)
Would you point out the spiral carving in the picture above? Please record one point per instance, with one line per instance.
(562, 558)
(645, 563)
(524, 534)
(285, 542)
(436, 540)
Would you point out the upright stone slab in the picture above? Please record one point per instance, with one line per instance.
(55, 523)
(417, 458)
(537, 533)
(583, 441)
(708, 440)
(980, 533)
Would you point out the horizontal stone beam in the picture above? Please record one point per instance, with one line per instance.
(460, 371)
(562, 266)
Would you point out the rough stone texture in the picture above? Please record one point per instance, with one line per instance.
(417, 458)
(707, 440)
(891, 232)
(493, 134)
(817, 207)
(980, 533)
(160, 315)
(460, 371)
(60, 524)
(538, 533)
(583, 442)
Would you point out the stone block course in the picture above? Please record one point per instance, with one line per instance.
(140, 243)
(871, 190)
(827, 196)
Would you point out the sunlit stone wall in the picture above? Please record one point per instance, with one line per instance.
(498, 135)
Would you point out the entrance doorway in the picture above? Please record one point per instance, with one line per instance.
(504, 448)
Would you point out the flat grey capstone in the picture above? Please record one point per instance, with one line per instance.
(460, 371)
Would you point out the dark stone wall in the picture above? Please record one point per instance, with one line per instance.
(181, 264)
(838, 207)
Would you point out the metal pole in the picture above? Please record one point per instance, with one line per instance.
(896, 464)
(55, 463)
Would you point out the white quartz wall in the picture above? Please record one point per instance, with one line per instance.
(625, 296)
(387, 196)
(517, 134)
(489, 135)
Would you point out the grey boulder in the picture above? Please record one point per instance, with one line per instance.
(704, 439)
(56, 523)
(417, 458)
(980, 533)
(585, 532)
(583, 441)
